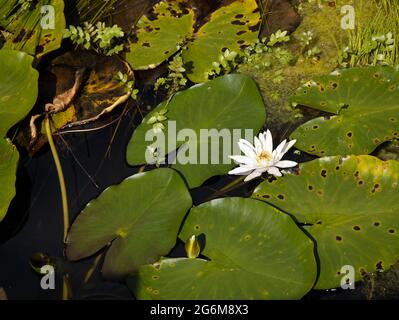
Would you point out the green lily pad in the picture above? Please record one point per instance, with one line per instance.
(254, 252)
(229, 102)
(160, 33)
(18, 88)
(8, 168)
(25, 27)
(350, 207)
(365, 107)
(234, 26)
(18, 93)
(139, 219)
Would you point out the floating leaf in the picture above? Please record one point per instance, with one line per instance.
(139, 219)
(350, 206)
(160, 33)
(99, 93)
(18, 88)
(29, 25)
(18, 93)
(8, 169)
(365, 107)
(234, 26)
(226, 103)
(254, 252)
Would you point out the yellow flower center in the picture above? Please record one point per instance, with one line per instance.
(263, 156)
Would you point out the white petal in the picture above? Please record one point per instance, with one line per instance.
(274, 171)
(286, 164)
(277, 153)
(288, 146)
(258, 145)
(247, 148)
(243, 159)
(241, 171)
(253, 175)
(268, 146)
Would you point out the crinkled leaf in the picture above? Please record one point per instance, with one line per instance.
(139, 219)
(350, 206)
(229, 102)
(254, 252)
(365, 107)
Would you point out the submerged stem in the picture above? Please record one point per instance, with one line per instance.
(60, 176)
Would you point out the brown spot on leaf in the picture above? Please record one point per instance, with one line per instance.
(237, 22)
(20, 36)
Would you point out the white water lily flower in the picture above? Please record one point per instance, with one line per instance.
(261, 157)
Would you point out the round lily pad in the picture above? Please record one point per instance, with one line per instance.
(350, 207)
(159, 34)
(226, 103)
(138, 219)
(252, 250)
(232, 27)
(29, 29)
(363, 111)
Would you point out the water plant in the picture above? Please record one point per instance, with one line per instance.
(206, 207)
(100, 38)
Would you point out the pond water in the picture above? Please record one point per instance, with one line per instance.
(37, 212)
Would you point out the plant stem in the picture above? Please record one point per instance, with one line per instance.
(60, 176)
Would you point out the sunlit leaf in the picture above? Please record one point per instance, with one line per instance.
(226, 103)
(350, 207)
(254, 252)
(364, 103)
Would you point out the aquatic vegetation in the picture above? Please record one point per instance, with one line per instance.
(99, 38)
(253, 251)
(176, 79)
(373, 42)
(16, 100)
(282, 70)
(25, 26)
(324, 195)
(142, 225)
(100, 92)
(358, 123)
(129, 84)
(233, 27)
(260, 157)
(94, 11)
(185, 217)
(220, 102)
(161, 34)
